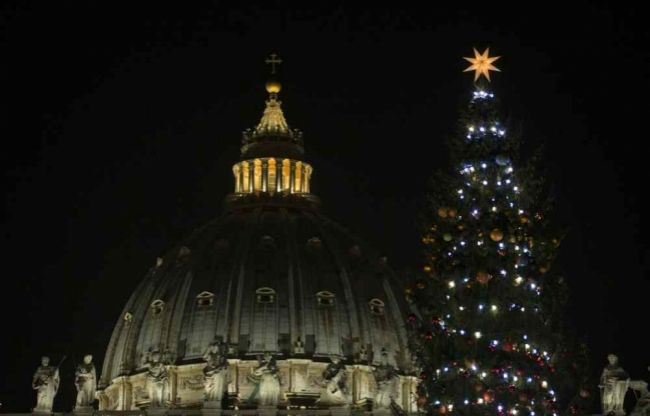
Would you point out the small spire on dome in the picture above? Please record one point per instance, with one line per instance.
(273, 120)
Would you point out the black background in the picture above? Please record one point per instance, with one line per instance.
(120, 124)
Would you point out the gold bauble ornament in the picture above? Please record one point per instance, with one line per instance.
(452, 212)
(408, 291)
(483, 277)
(442, 212)
(447, 237)
(523, 219)
(512, 239)
(427, 269)
(496, 235)
(543, 269)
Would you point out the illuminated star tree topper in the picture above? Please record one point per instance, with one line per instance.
(482, 64)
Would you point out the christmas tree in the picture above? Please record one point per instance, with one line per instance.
(486, 329)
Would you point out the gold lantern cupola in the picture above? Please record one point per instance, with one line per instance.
(272, 169)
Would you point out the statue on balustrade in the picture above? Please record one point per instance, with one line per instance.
(334, 381)
(267, 379)
(215, 371)
(157, 379)
(614, 382)
(386, 378)
(85, 380)
(46, 383)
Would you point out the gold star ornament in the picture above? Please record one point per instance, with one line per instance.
(482, 64)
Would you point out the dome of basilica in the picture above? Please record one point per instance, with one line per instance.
(272, 280)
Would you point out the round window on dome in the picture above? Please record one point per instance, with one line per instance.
(325, 298)
(265, 295)
(376, 306)
(157, 307)
(205, 299)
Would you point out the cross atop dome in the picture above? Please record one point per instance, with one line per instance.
(273, 60)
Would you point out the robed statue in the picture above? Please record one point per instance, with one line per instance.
(614, 382)
(157, 379)
(85, 380)
(386, 378)
(267, 378)
(215, 371)
(334, 381)
(46, 383)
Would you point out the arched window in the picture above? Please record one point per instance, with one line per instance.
(376, 306)
(314, 243)
(205, 299)
(265, 295)
(157, 307)
(325, 298)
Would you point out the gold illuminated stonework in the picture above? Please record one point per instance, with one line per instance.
(273, 120)
(271, 176)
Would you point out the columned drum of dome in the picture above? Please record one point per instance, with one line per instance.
(304, 314)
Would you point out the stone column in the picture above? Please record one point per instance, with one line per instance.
(241, 178)
(172, 387)
(292, 176)
(125, 393)
(265, 175)
(251, 176)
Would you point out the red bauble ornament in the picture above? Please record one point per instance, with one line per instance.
(507, 346)
(435, 320)
(512, 388)
(488, 396)
(412, 317)
(422, 400)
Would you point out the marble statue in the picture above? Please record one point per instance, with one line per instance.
(386, 378)
(267, 378)
(215, 371)
(334, 380)
(85, 382)
(46, 383)
(614, 382)
(157, 379)
(642, 407)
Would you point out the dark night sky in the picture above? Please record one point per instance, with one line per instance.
(120, 124)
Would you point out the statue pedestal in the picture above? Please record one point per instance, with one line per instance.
(211, 408)
(156, 411)
(83, 410)
(267, 410)
(340, 411)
